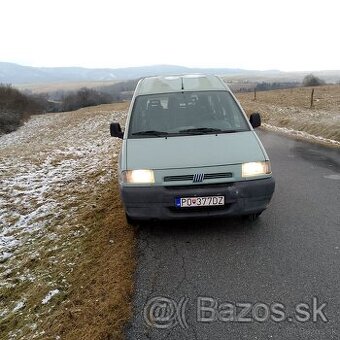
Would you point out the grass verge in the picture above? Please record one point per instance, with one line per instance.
(98, 303)
(66, 251)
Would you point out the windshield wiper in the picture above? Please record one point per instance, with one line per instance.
(150, 133)
(232, 131)
(204, 130)
(201, 130)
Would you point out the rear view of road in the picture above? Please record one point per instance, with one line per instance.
(276, 278)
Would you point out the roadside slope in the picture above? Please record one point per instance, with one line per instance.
(289, 111)
(66, 252)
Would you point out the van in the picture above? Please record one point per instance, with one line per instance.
(189, 151)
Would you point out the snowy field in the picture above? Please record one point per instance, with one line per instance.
(50, 171)
(289, 112)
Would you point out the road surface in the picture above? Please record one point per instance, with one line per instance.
(276, 278)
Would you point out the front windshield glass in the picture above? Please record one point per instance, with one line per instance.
(185, 113)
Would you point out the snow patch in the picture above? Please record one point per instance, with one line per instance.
(19, 305)
(49, 296)
(4, 312)
(302, 134)
(5, 256)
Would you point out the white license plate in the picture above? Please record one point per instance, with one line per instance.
(204, 201)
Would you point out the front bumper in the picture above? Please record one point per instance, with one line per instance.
(158, 202)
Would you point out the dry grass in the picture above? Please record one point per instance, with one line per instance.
(291, 109)
(79, 242)
(98, 302)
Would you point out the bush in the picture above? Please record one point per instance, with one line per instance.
(264, 86)
(120, 91)
(83, 98)
(311, 80)
(16, 107)
(9, 121)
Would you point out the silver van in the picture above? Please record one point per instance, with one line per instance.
(189, 150)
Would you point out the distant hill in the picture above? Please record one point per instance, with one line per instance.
(331, 77)
(18, 74)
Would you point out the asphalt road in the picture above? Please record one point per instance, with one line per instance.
(193, 277)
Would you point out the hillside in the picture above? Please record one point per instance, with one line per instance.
(18, 74)
(289, 111)
(66, 252)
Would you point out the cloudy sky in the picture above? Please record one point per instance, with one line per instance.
(288, 35)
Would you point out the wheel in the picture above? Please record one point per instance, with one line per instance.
(253, 217)
(131, 220)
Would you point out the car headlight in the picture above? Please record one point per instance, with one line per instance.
(138, 176)
(256, 169)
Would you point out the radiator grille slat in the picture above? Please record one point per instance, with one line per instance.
(180, 178)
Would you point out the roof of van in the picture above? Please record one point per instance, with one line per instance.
(177, 83)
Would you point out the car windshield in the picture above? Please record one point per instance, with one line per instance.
(185, 113)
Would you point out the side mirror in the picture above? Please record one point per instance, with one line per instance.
(116, 130)
(255, 120)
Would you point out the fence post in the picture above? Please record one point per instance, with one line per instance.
(254, 93)
(312, 99)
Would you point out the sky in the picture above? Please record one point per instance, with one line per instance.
(287, 35)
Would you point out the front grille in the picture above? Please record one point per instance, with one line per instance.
(191, 177)
(218, 175)
(178, 178)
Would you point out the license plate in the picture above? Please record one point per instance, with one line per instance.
(204, 201)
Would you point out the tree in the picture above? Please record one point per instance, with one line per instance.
(311, 80)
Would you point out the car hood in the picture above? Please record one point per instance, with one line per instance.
(193, 151)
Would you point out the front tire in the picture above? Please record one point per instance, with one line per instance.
(131, 220)
(253, 217)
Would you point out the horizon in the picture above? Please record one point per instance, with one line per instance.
(175, 65)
